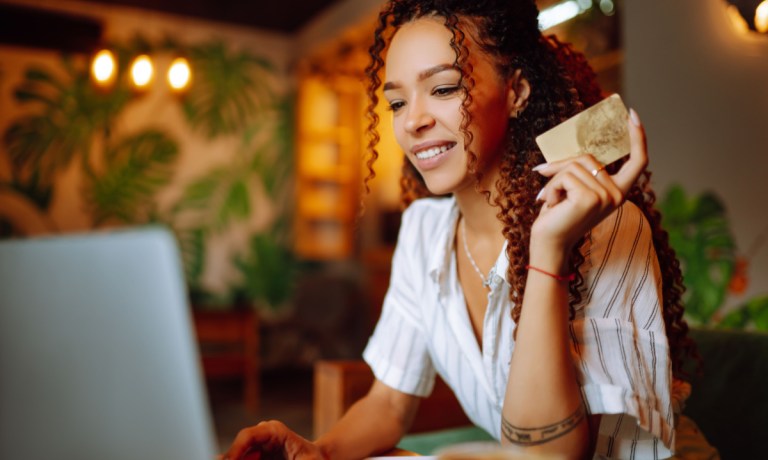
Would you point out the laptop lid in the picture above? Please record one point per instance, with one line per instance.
(97, 352)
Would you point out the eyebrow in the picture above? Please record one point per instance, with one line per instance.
(423, 75)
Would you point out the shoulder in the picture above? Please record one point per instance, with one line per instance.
(625, 225)
(425, 230)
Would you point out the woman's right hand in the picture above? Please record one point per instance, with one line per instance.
(271, 439)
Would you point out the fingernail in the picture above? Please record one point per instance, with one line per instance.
(541, 193)
(540, 167)
(633, 116)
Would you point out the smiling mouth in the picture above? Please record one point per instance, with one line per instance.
(434, 151)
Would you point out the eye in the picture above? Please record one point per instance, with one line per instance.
(396, 105)
(445, 90)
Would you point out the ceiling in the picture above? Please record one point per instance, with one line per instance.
(28, 26)
(284, 16)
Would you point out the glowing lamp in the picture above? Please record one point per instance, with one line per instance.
(179, 74)
(761, 17)
(104, 67)
(142, 71)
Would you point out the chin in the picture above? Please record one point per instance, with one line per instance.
(443, 186)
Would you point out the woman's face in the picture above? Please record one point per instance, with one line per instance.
(422, 87)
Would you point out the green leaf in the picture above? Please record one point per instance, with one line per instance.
(736, 319)
(24, 95)
(42, 76)
(758, 311)
(700, 234)
(236, 205)
(192, 246)
(199, 194)
(138, 167)
(269, 271)
(229, 90)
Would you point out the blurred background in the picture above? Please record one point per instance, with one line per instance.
(240, 126)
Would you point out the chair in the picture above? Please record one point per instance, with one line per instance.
(229, 347)
(729, 401)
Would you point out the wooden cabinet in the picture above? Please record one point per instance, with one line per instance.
(329, 151)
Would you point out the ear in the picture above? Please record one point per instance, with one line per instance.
(518, 91)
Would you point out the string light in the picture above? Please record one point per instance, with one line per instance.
(142, 71)
(179, 74)
(104, 67)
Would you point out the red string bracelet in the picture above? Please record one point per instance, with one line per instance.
(569, 277)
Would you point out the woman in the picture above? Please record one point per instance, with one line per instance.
(545, 295)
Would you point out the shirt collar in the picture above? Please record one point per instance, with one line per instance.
(444, 235)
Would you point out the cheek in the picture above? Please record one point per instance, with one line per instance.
(398, 127)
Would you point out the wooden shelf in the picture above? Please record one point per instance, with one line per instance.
(328, 169)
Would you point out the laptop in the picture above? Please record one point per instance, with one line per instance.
(97, 352)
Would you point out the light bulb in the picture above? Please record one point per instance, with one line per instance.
(179, 74)
(104, 67)
(141, 71)
(761, 17)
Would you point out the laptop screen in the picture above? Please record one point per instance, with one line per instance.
(97, 352)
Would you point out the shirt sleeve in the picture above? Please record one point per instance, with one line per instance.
(398, 352)
(619, 341)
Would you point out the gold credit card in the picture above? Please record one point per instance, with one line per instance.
(600, 130)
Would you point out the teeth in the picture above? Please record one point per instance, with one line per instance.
(429, 153)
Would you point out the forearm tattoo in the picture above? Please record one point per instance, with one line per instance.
(544, 434)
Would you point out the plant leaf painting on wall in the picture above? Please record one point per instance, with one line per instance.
(232, 94)
(66, 113)
(135, 169)
(66, 122)
(231, 90)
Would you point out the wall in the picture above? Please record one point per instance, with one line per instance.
(326, 306)
(325, 28)
(701, 89)
(197, 154)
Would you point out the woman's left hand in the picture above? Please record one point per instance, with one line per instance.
(581, 193)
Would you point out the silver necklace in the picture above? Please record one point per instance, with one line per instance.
(486, 281)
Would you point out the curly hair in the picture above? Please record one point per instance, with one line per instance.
(562, 84)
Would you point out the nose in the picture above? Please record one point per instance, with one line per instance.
(418, 117)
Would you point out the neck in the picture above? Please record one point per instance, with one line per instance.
(479, 215)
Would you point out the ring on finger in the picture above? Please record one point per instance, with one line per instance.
(596, 171)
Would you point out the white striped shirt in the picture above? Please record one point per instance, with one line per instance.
(619, 344)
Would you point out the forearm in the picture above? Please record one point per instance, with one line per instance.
(542, 390)
(373, 425)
